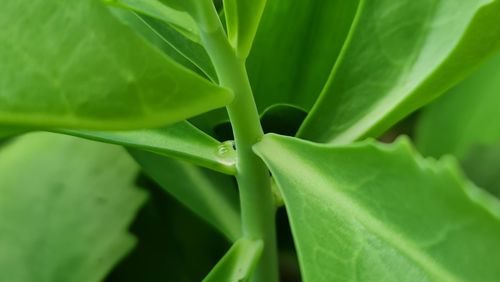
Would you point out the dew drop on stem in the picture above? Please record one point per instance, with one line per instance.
(226, 153)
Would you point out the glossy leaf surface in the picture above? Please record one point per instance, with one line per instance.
(295, 48)
(171, 40)
(156, 9)
(191, 51)
(238, 263)
(466, 116)
(211, 196)
(81, 79)
(181, 140)
(399, 56)
(65, 205)
(373, 212)
(242, 20)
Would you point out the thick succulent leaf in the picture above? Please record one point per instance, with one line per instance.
(242, 20)
(399, 56)
(482, 166)
(193, 52)
(91, 71)
(181, 140)
(156, 9)
(385, 213)
(65, 205)
(238, 263)
(467, 115)
(295, 48)
(172, 41)
(210, 195)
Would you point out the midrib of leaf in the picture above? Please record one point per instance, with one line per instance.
(383, 230)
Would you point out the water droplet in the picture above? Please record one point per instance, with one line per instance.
(226, 153)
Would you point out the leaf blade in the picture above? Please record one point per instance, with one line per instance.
(64, 229)
(242, 20)
(464, 117)
(374, 85)
(278, 59)
(89, 78)
(211, 196)
(387, 214)
(181, 140)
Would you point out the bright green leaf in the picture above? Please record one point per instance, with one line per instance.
(295, 49)
(154, 8)
(242, 20)
(211, 196)
(65, 205)
(374, 212)
(238, 263)
(181, 140)
(399, 56)
(464, 117)
(191, 51)
(79, 78)
(171, 41)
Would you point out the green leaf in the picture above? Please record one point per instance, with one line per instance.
(64, 209)
(173, 243)
(238, 263)
(482, 166)
(466, 116)
(375, 212)
(91, 70)
(399, 56)
(242, 20)
(193, 52)
(211, 196)
(181, 140)
(295, 48)
(154, 8)
(169, 40)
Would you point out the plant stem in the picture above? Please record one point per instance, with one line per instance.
(256, 198)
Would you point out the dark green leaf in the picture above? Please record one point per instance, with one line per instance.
(295, 48)
(374, 212)
(173, 243)
(482, 166)
(399, 56)
(65, 205)
(238, 263)
(211, 196)
(88, 70)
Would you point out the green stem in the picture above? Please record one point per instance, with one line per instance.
(256, 198)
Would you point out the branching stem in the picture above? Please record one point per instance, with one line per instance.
(256, 198)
